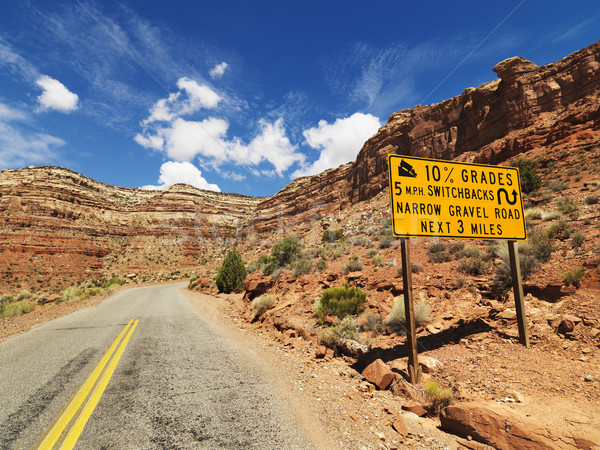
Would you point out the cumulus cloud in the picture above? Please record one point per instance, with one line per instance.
(190, 98)
(270, 145)
(218, 70)
(56, 96)
(338, 142)
(173, 172)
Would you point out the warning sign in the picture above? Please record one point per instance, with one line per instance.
(436, 198)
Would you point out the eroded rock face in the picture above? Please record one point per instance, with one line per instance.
(57, 223)
(526, 107)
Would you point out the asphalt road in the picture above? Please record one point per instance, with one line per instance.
(180, 383)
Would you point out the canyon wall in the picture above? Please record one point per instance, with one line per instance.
(526, 107)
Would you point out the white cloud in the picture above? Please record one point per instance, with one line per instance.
(19, 148)
(200, 95)
(190, 98)
(218, 70)
(338, 142)
(173, 172)
(271, 145)
(185, 140)
(233, 176)
(56, 95)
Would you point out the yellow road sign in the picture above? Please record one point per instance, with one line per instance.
(435, 198)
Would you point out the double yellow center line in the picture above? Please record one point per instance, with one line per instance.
(69, 424)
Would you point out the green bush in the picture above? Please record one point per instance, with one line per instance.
(436, 251)
(386, 242)
(332, 235)
(591, 199)
(263, 303)
(574, 277)
(24, 295)
(396, 319)
(286, 250)
(530, 180)
(377, 261)
(345, 328)
(115, 281)
(438, 397)
(302, 266)
(341, 301)
(474, 265)
(567, 205)
(560, 229)
(9, 309)
(578, 238)
(321, 265)
(372, 323)
(232, 273)
(372, 252)
(354, 265)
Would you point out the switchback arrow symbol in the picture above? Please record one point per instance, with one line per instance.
(514, 194)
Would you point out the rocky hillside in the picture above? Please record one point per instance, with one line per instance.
(527, 107)
(59, 227)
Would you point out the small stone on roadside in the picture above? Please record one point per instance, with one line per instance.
(589, 378)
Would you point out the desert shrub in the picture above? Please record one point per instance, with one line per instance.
(354, 265)
(286, 250)
(371, 253)
(262, 304)
(551, 215)
(345, 328)
(372, 323)
(531, 254)
(396, 319)
(577, 239)
(332, 235)
(377, 261)
(573, 277)
(415, 267)
(566, 205)
(591, 199)
(458, 282)
(438, 397)
(89, 292)
(321, 265)
(371, 230)
(386, 242)
(359, 241)
(557, 186)
(232, 273)
(9, 309)
(455, 247)
(340, 301)
(302, 266)
(436, 251)
(474, 266)
(530, 180)
(534, 213)
(560, 229)
(115, 281)
(24, 295)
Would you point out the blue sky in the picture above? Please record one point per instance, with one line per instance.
(242, 96)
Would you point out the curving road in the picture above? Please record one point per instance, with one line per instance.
(180, 383)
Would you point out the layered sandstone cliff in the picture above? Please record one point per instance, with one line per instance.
(55, 223)
(526, 107)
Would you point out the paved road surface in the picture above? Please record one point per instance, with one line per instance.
(179, 383)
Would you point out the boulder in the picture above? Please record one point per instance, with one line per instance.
(414, 407)
(399, 425)
(429, 364)
(53, 297)
(379, 374)
(504, 431)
